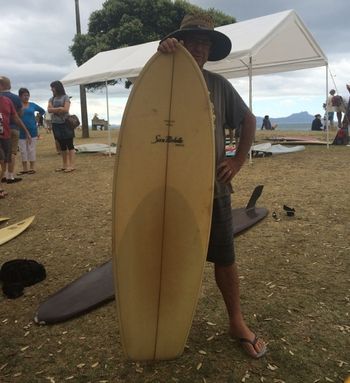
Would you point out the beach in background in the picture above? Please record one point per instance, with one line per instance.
(293, 127)
(284, 127)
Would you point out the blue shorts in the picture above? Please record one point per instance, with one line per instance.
(221, 249)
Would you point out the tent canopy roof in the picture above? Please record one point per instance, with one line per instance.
(275, 43)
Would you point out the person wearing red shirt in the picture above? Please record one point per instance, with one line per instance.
(7, 112)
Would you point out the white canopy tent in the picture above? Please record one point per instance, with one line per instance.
(269, 44)
(275, 43)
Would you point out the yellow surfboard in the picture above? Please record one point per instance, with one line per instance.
(162, 202)
(4, 219)
(10, 232)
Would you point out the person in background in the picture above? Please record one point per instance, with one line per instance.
(204, 43)
(346, 120)
(5, 86)
(59, 106)
(28, 150)
(39, 120)
(39, 123)
(339, 108)
(344, 130)
(6, 110)
(316, 123)
(47, 122)
(7, 113)
(48, 128)
(330, 109)
(266, 123)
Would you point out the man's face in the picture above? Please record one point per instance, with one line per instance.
(199, 46)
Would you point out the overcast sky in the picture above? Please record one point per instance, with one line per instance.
(36, 34)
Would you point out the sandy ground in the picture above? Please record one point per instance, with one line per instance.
(294, 276)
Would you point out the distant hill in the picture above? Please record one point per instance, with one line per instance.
(295, 118)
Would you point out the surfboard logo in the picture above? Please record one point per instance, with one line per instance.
(178, 141)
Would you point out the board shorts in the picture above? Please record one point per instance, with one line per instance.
(221, 248)
(14, 141)
(5, 150)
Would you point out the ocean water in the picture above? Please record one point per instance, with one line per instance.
(295, 127)
(281, 127)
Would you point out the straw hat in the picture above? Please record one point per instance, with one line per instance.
(221, 44)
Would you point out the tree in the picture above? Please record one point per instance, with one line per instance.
(122, 23)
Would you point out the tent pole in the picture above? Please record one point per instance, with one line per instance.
(327, 116)
(109, 128)
(250, 100)
(250, 84)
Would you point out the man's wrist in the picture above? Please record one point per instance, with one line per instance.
(239, 159)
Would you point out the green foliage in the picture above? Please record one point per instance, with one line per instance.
(129, 22)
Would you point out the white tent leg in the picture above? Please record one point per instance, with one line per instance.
(327, 119)
(250, 71)
(109, 128)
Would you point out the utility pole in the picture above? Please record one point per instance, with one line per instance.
(83, 106)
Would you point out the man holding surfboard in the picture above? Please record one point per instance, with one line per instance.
(198, 36)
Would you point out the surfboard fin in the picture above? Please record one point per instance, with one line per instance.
(250, 208)
(254, 197)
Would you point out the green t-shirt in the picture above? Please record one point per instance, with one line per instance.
(229, 110)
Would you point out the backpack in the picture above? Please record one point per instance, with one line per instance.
(337, 100)
(20, 273)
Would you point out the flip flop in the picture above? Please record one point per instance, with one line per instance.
(23, 172)
(32, 171)
(60, 170)
(69, 170)
(253, 342)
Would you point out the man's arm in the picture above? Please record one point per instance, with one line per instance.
(20, 112)
(19, 122)
(18, 104)
(59, 110)
(246, 139)
(229, 167)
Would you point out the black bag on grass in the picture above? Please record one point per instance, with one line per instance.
(20, 273)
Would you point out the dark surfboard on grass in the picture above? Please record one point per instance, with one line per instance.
(96, 287)
(246, 217)
(84, 294)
